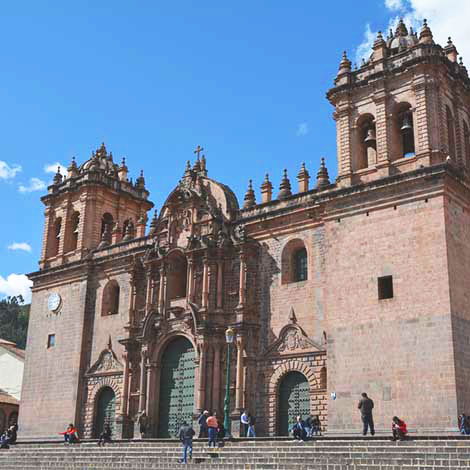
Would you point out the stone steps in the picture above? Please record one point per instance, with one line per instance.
(319, 454)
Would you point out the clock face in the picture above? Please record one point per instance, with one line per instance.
(53, 302)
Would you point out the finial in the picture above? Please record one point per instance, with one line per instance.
(72, 169)
(303, 178)
(266, 189)
(58, 176)
(123, 162)
(140, 182)
(401, 29)
(153, 223)
(197, 165)
(284, 187)
(344, 65)
(292, 317)
(425, 36)
(250, 199)
(322, 176)
(203, 171)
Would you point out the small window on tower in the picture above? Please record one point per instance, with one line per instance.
(300, 265)
(51, 341)
(385, 285)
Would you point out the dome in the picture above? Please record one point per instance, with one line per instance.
(100, 160)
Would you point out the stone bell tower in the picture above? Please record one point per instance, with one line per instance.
(93, 206)
(406, 107)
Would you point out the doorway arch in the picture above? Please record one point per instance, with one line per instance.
(293, 400)
(176, 398)
(105, 410)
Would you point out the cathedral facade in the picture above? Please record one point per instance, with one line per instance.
(333, 289)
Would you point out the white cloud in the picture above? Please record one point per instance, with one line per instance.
(396, 5)
(364, 49)
(35, 184)
(302, 129)
(7, 171)
(52, 168)
(22, 246)
(16, 284)
(449, 18)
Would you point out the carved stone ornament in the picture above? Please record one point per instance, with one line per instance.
(106, 363)
(292, 339)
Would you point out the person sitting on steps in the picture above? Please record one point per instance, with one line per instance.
(70, 435)
(105, 436)
(399, 430)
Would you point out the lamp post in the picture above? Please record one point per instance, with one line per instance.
(229, 334)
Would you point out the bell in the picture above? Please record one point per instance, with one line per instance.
(370, 137)
(406, 126)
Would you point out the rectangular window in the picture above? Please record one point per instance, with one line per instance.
(385, 285)
(51, 341)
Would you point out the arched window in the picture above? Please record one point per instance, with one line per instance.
(466, 144)
(450, 132)
(72, 238)
(177, 276)
(366, 148)
(294, 262)
(55, 241)
(404, 122)
(110, 302)
(106, 223)
(300, 265)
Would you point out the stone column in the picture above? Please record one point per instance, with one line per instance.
(342, 116)
(216, 378)
(143, 381)
(205, 284)
(148, 385)
(201, 386)
(150, 287)
(220, 269)
(240, 375)
(190, 279)
(125, 388)
(162, 292)
(242, 288)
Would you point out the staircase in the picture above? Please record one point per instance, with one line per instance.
(245, 454)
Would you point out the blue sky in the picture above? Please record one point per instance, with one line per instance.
(153, 79)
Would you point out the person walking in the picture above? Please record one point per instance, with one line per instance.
(186, 437)
(212, 429)
(244, 423)
(251, 426)
(203, 424)
(143, 422)
(366, 405)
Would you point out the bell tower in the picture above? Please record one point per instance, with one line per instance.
(406, 107)
(93, 206)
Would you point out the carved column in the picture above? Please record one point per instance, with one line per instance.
(132, 300)
(242, 289)
(190, 279)
(240, 375)
(201, 377)
(220, 268)
(205, 283)
(143, 380)
(150, 288)
(148, 385)
(216, 378)
(125, 388)
(162, 292)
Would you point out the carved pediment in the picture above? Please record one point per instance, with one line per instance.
(292, 339)
(107, 363)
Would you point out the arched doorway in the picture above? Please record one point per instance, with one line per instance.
(105, 410)
(293, 399)
(176, 387)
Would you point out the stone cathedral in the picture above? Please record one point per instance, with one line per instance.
(332, 287)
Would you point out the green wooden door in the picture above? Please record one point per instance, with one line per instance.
(176, 387)
(294, 400)
(106, 410)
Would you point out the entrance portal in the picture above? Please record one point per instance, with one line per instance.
(176, 387)
(293, 399)
(105, 410)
